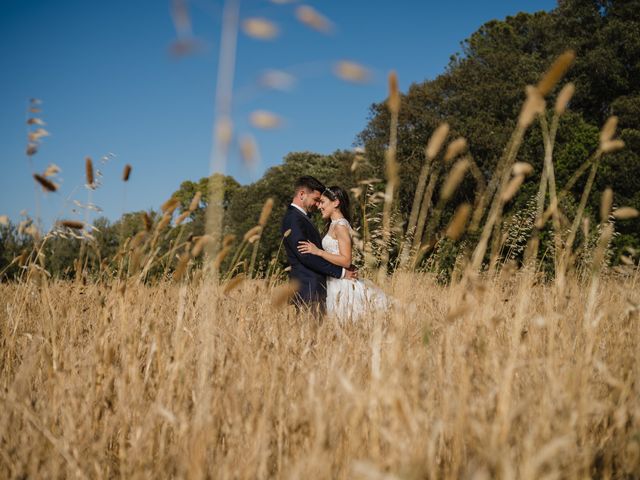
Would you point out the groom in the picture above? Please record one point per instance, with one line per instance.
(310, 271)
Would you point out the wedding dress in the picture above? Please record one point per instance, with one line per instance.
(348, 299)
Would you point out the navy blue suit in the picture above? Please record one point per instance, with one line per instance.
(309, 270)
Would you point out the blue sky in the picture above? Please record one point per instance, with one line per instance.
(108, 84)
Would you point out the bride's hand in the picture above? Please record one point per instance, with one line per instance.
(308, 247)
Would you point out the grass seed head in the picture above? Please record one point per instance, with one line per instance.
(195, 202)
(181, 267)
(252, 232)
(228, 240)
(454, 178)
(351, 72)
(73, 224)
(564, 97)
(32, 149)
(146, 220)
(126, 173)
(512, 187)
(459, 221)
(612, 146)
(45, 183)
(200, 243)
(249, 151)
(625, 213)
(52, 170)
(312, 19)
(164, 222)
(222, 254)
(394, 95)
(182, 217)
(436, 140)
(608, 129)
(260, 28)
(88, 169)
(232, 284)
(224, 131)
(455, 148)
(170, 205)
(522, 168)
(533, 106)
(605, 204)
(556, 72)
(266, 211)
(265, 120)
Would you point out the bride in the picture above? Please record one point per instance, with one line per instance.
(346, 299)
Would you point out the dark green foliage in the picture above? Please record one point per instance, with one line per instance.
(482, 90)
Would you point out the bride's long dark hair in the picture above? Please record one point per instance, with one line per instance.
(338, 193)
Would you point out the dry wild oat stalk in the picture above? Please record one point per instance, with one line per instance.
(459, 221)
(228, 240)
(200, 243)
(605, 204)
(265, 120)
(73, 224)
(609, 129)
(233, 284)
(45, 183)
(311, 18)
(625, 213)
(252, 232)
(612, 146)
(195, 202)
(556, 72)
(88, 168)
(126, 173)
(170, 206)
(260, 28)
(249, 151)
(564, 97)
(455, 148)
(454, 178)
(146, 220)
(220, 256)
(512, 187)
(351, 71)
(266, 211)
(52, 170)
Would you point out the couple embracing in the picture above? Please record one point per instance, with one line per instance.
(322, 266)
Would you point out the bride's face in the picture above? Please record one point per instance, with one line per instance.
(327, 206)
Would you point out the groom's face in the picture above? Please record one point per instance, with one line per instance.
(311, 200)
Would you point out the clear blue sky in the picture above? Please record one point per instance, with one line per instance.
(109, 84)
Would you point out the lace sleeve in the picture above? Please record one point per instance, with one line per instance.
(344, 223)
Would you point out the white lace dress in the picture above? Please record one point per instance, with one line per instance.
(348, 299)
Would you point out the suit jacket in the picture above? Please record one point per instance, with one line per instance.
(309, 270)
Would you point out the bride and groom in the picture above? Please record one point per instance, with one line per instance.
(322, 265)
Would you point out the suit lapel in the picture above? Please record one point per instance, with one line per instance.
(314, 229)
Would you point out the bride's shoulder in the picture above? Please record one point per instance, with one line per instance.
(342, 226)
(343, 222)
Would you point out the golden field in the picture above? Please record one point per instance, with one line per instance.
(490, 377)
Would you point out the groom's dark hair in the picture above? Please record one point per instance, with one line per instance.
(309, 182)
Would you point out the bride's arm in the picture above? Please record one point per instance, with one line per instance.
(342, 259)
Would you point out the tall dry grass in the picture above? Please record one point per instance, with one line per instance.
(209, 374)
(494, 378)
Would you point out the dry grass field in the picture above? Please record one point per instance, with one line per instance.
(500, 373)
(492, 377)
